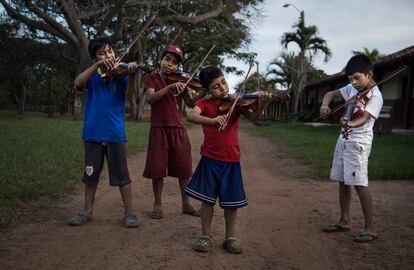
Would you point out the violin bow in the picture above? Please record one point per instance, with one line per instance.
(118, 60)
(252, 60)
(195, 71)
(359, 95)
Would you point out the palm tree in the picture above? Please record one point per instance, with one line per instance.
(309, 45)
(283, 70)
(373, 54)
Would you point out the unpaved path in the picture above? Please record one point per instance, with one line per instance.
(279, 229)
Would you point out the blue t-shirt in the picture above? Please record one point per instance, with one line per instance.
(105, 110)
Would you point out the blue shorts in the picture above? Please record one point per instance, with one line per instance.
(214, 178)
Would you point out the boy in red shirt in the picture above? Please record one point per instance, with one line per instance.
(218, 173)
(169, 148)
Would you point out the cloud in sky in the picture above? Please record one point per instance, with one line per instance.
(346, 26)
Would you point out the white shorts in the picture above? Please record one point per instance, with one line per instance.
(350, 163)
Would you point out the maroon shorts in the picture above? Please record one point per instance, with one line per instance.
(169, 153)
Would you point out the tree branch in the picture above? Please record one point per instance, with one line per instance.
(33, 23)
(108, 18)
(119, 26)
(74, 23)
(49, 20)
(196, 19)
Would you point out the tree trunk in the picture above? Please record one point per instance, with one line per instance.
(84, 62)
(138, 99)
(21, 101)
(303, 74)
(49, 100)
(141, 104)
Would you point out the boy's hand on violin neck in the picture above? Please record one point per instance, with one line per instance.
(219, 120)
(133, 67)
(177, 88)
(324, 110)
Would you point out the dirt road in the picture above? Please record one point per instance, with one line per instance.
(279, 229)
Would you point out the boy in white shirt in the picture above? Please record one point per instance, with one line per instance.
(350, 162)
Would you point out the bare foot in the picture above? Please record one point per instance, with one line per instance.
(188, 209)
(156, 212)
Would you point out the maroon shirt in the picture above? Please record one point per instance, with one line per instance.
(220, 145)
(166, 112)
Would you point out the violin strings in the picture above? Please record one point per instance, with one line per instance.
(238, 94)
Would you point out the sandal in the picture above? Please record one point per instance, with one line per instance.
(365, 237)
(79, 219)
(156, 214)
(336, 228)
(203, 244)
(131, 220)
(232, 246)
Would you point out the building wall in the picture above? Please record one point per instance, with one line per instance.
(392, 90)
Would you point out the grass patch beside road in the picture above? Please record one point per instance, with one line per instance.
(43, 157)
(391, 155)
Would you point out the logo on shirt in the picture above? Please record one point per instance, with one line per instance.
(89, 170)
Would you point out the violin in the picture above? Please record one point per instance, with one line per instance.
(122, 70)
(355, 110)
(248, 102)
(183, 77)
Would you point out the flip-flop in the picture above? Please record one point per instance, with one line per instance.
(79, 219)
(156, 214)
(336, 228)
(131, 220)
(365, 237)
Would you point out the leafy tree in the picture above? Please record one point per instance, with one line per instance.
(193, 24)
(283, 70)
(255, 82)
(306, 38)
(27, 68)
(373, 54)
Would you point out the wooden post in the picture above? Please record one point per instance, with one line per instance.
(409, 97)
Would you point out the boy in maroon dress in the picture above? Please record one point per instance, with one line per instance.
(169, 148)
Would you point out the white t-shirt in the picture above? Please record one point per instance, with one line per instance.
(364, 133)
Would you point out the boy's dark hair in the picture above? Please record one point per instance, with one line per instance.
(208, 74)
(96, 44)
(359, 63)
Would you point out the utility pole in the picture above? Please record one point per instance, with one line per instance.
(258, 76)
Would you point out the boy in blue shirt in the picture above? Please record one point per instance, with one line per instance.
(103, 129)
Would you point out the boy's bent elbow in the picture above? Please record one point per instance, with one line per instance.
(78, 84)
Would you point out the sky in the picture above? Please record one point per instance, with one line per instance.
(346, 25)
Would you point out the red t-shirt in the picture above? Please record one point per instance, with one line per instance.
(220, 145)
(166, 112)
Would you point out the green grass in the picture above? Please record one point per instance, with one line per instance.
(391, 155)
(43, 157)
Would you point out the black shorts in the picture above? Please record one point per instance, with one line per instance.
(117, 163)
